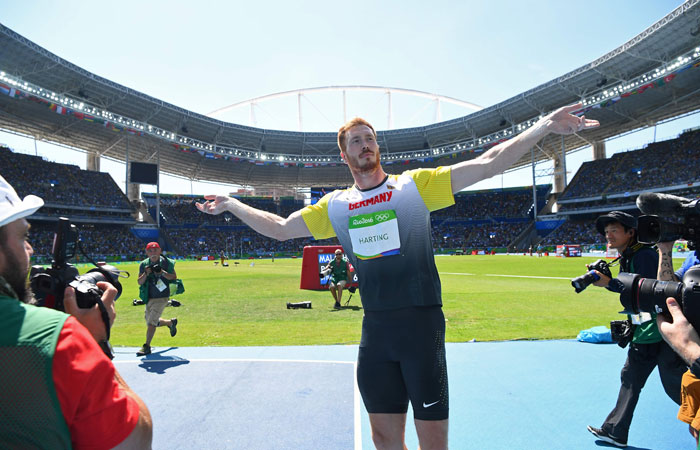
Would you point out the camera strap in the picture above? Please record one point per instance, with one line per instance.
(614, 262)
(106, 347)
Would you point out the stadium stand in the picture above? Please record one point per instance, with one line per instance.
(92, 200)
(674, 162)
(671, 166)
(480, 220)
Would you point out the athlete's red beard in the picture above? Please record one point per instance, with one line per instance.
(361, 165)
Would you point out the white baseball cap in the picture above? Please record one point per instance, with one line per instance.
(12, 208)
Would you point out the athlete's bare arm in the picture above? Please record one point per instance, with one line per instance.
(266, 223)
(504, 155)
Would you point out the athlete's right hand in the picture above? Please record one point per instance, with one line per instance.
(215, 204)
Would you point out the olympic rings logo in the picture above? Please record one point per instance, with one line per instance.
(382, 217)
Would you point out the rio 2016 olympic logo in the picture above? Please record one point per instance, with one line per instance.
(382, 217)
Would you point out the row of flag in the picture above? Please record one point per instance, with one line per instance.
(65, 111)
(62, 110)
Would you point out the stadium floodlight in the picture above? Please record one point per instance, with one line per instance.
(474, 144)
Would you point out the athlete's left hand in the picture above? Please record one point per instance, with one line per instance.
(562, 121)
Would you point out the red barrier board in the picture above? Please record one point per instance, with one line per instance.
(314, 258)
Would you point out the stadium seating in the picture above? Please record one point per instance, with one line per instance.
(478, 220)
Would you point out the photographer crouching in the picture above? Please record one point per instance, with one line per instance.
(57, 387)
(647, 348)
(155, 274)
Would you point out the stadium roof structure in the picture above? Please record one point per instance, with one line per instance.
(651, 78)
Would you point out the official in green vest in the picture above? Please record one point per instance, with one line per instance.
(339, 275)
(58, 390)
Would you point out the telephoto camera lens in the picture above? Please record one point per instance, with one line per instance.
(649, 295)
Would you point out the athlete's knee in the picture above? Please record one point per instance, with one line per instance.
(432, 434)
(388, 430)
(388, 438)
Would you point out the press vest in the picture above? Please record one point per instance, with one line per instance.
(30, 413)
(148, 288)
(647, 332)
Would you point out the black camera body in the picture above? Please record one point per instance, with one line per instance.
(652, 229)
(621, 332)
(649, 295)
(585, 280)
(156, 268)
(49, 283)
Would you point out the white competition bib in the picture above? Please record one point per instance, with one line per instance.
(375, 234)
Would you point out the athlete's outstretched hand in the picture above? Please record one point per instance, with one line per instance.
(562, 121)
(215, 204)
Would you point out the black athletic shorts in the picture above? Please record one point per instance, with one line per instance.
(402, 358)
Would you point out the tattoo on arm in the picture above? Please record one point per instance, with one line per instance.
(666, 267)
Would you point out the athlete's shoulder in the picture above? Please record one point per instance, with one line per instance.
(434, 186)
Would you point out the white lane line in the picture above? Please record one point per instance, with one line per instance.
(501, 275)
(358, 415)
(525, 276)
(231, 360)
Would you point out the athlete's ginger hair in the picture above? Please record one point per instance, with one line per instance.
(353, 123)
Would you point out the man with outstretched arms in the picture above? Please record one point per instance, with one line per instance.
(383, 224)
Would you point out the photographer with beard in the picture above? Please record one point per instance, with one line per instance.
(57, 387)
(647, 348)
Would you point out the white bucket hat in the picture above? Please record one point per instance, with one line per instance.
(12, 208)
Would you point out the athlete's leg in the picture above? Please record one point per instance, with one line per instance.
(432, 434)
(388, 431)
(424, 371)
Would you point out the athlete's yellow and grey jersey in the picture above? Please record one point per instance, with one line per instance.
(385, 231)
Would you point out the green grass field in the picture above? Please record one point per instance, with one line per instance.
(246, 306)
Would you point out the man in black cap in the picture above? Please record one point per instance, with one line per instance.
(647, 349)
